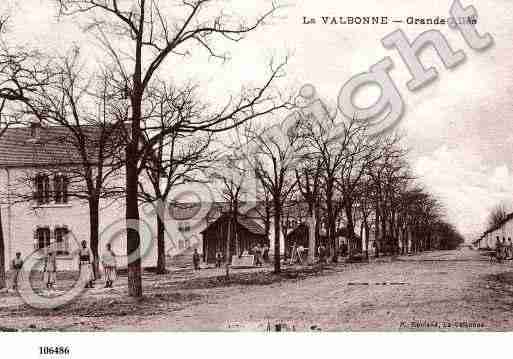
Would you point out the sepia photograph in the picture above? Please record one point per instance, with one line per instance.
(261, 166)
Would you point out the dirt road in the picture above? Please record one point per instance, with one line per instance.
(443, 290)
(454, 290)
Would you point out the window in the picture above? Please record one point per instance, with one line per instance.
(42, 188)
(42, 237)
(184, 227)
(60, 188)
(62, 240)
(187, 243)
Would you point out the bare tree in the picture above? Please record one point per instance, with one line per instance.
(308, 176)
(20, 72)
(153, 37)
(180, 158)
(497, 215)
(276, 152)
(86, 108)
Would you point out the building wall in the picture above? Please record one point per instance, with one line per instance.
(22, 216)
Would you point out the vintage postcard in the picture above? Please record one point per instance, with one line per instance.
(255, 165)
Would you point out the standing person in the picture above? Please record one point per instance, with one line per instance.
(196, 259)
(219, 258)
(293, 253)
(498, 249)
(510, 248)
(257, 251)
(300, 251)
(322, 253)
(50, 270)
(109, 265)
(85, 264)
(265, 253)
(17, 265)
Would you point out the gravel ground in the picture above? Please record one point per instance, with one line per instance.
(445, 290)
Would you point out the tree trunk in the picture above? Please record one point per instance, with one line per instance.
(3, 283)
(132, 216)
(228, 241)
(161, 247)
(330, 225)
(277, 218)
(377, 240)
(267, 220)
(311, 237)
(350, 227)
(94, 228)
(367, 232)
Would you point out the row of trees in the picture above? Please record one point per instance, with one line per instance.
(338, 176)
(124, 115)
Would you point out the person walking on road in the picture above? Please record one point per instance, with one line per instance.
(50, 270)
(17, 265)
(196, 259)
(109, 265)
(85, 264)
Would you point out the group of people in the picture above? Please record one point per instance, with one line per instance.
(297, 254)
(261, 254)
(504, 249)
(85, 267)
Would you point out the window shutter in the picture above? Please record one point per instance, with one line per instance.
(64, 189)
(46, 189)
(34, 186)
(56, 192)
(36, 242)
(66, 239)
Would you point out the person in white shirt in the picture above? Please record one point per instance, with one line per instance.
(17, 265)
(109, 265)
(50, 270)
(85, 264)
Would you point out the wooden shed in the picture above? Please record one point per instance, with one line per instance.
(248, 234)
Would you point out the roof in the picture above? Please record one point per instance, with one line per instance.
(506, 219)
(53, 146)
(248, 223)
(302, 230)
(182, 211)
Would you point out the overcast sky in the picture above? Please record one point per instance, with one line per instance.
(458, 128)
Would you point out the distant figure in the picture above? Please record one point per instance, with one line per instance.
(109, 265)
(196, 259)
(510, 248)
(219, 259)
(50, 270)
(293, 253)
(343, 249)
(265, 253)
(257, 252)
(17, 264)
(300, 252)
(85, 265)
(322, 253)
(498, 249)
